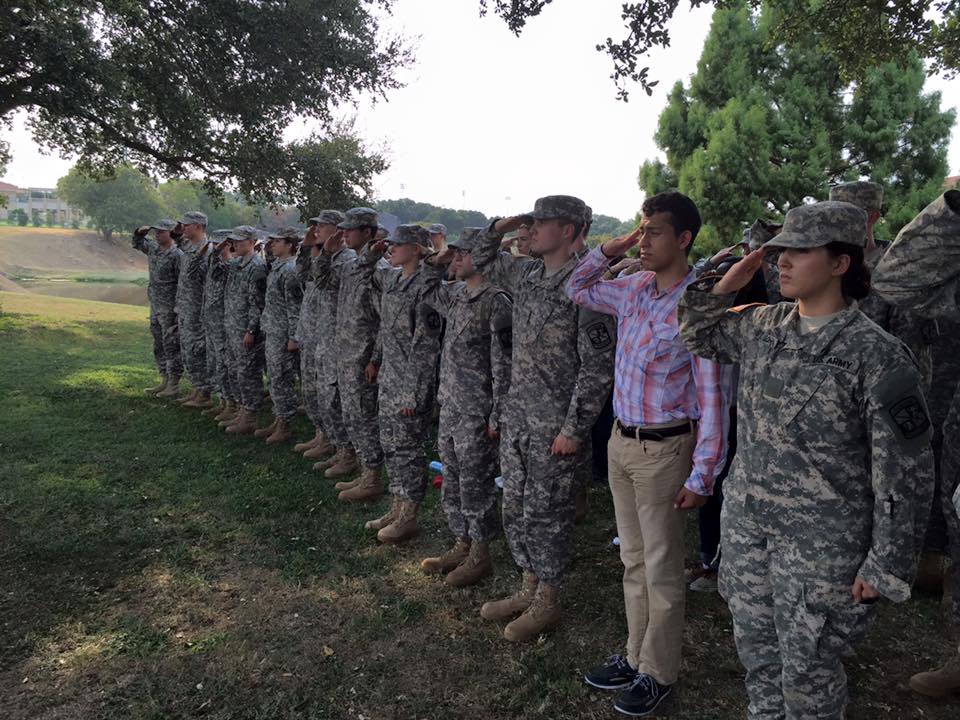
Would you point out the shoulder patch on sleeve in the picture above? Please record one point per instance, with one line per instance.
(599, 336)
(743, 308)
(904, 409)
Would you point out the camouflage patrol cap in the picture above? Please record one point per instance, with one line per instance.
(327, 217)
(865, 195)
(194, 217)
(819, 224)
(285, 233)
(221, 234)
(760, 233)
(410, 234)
(164, 224)
(565, 207)
(243, 232)
(360, 217)
(588, 215)
(468, 239)
(437, 229)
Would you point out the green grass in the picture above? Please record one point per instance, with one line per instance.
(151, 567)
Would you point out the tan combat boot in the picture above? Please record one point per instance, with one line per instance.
(369, 487)
(321, 448)
(215, 408)
(449, 560)
(404, 526)
(345, 466)
(281, 433)
(381, 522)
(307, 444)
(245, 423)
(329, 462)
(940, 682)
(202, 401)
(189, 397)
(513, 605)
(474, 568)
(542, 615)
(268, 430)
(226, 417)
(152, 391)
(172, 389)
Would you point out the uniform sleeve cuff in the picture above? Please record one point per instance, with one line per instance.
(888, 585)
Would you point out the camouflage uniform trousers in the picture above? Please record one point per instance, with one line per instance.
(358, 400)
(193, 349)
(469, 458)
(246, 369)
(282, 371)
(217, 372)
(166, 343)
(402, 439)
(539, 490)
(328, 402)
(791, 627)
(309, 382)
(950, 472)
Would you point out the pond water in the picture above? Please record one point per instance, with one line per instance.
(126, 293)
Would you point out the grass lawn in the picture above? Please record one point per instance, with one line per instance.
(151, 567)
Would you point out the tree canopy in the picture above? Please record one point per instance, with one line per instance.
(762, 127)
(411, 211)
(191, 88)
(859, 35)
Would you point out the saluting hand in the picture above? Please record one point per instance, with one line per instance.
(444, 257)
(310, 237)
(619, 246)
(509, 224)
(739, 275)
(332, 243)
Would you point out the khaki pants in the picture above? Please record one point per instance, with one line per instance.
(645, 477)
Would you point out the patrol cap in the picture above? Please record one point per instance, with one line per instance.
(865, 195)
(243, 232)
(285, 233)
(468, 239)
(437, 229)
(410, 234)
(327, 217)
(164, 224)
(819, 224)
(565, 207)
(194, 217)
(588, 215)
(221, 234)
(359, 217)
(760, 233)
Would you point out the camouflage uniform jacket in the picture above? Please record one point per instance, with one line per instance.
(833, 452)
(283, 297)
(324, 299)
(477, 345)
(409, 335)
(562, 359)
(214, 288)
(358, 304)
(244, 297)
(164, 266)
(193, 276)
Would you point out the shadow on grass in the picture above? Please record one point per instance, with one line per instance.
(153, 567)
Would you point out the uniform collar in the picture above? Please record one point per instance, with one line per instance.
(788, 331)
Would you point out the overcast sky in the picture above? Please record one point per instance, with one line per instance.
(484, 123)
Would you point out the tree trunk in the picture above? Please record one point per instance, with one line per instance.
(107, 234)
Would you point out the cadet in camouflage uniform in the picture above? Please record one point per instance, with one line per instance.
(189, 306)
(474, 381)
(358, 322)
(243, 305)
(314, 327)
(279, 321)
(920, 273)
(562, 372)
(163, 259)
(833, 471)
(409, 340)
(215, 334)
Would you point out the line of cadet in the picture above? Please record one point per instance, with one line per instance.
(364, 320)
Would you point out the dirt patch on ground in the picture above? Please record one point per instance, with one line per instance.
(26, 251)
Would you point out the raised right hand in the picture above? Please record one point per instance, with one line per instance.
(619, 246)
(332, 243)
(509, 224)
(739, 275)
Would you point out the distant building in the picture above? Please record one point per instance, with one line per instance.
(38, 201)
(951, 182)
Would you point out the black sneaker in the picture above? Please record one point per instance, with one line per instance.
(614, 674)
(642, 697)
